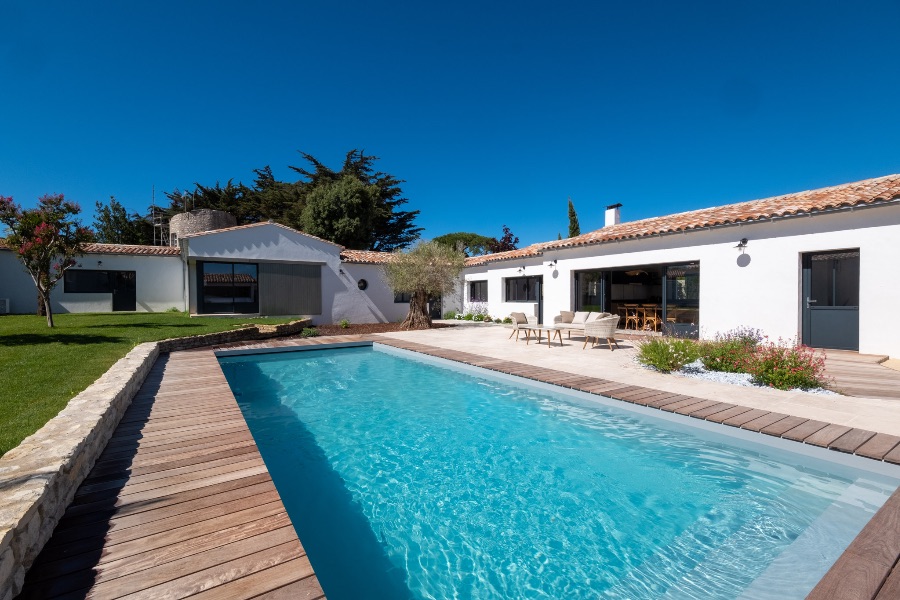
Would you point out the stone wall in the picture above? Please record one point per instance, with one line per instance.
(39, 477)
(199, 220)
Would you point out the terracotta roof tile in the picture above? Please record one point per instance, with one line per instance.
(532, 250)
(120, 249)
(366, 257)
(228, 278)
(260, 224)
(866, 192)
(132, 249)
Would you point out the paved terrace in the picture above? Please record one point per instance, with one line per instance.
(180, 504)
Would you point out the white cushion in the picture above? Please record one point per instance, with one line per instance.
(593, 317)
(580, 317)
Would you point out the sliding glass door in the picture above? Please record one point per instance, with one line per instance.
(227, 288)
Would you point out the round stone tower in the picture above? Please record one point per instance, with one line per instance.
(195, 221)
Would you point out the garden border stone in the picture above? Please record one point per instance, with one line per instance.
(39, 477)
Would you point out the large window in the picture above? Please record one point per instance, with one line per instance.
(523, 289)
(589, 286)
(478, 291)
(683, 299)
(84, 281)
(228, 287)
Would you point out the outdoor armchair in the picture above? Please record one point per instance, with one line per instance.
(520, 320)
(601, 329)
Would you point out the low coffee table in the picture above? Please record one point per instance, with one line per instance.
(539, 329)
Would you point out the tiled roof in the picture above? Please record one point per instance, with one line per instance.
(866, 192)
(120, 249)
(132, 249)
(228, 278)
(260, 224)
(528, 251)
(366, 257)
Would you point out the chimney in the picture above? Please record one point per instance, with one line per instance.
(612, 215)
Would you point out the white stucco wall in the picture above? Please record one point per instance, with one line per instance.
(16, 284)
(341, 297)
(158, 282)
(764, 294)
(374, 305)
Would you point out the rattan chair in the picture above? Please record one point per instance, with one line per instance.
(520, 320)
(604, 328)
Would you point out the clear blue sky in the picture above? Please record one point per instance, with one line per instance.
(492, 113)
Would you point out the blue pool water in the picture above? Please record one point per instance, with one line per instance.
(407, 479)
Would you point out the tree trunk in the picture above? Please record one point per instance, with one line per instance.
(44, 303)
(418, 317)
(41, 307)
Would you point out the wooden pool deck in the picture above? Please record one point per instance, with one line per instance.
(180, 504)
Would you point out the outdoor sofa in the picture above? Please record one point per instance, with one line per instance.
(575, 321)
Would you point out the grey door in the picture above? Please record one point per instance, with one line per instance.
(830, 303)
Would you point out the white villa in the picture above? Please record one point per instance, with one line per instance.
(817, 265)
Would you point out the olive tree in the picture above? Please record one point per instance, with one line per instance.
(430, 268)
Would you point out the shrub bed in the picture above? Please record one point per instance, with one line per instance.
(667, 354)
(785, 365)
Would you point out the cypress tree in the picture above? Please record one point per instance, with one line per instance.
(574, 227)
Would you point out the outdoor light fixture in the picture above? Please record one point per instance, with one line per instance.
(521, 270)
(341, 271)
(99, 263)
(742, 245)
(553, 264)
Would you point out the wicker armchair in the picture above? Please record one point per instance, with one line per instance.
(521, 320)
(599, 329)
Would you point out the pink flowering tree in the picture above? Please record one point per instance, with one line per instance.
(47, 239)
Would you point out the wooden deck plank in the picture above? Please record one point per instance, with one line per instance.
(261, 582)
(827, 435)
(779, 427)
(760, 423)
(804, 430)
(878, 446)
(852, 440)
(179, 503)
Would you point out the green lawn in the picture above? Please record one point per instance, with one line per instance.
(41, 369)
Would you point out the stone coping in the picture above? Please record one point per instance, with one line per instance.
(39, 477)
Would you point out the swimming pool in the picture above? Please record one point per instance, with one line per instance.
(417, 478)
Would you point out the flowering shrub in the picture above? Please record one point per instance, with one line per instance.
(732, 351)
(478, 317)
(667, 354)
(787, 366)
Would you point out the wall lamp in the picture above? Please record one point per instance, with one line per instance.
(742, 245)
(341, 271)
(99, 263)
(521, 270)
(553, 264)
